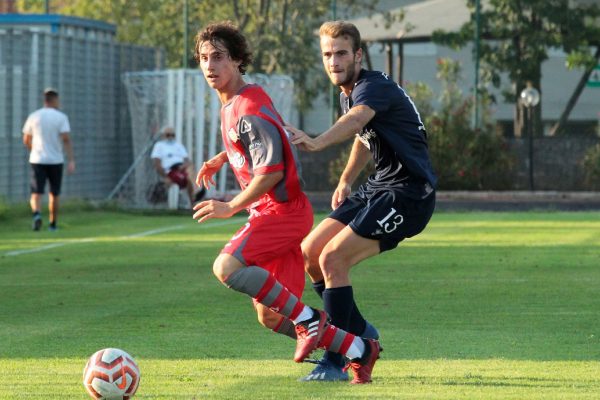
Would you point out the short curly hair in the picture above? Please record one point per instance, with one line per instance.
(227, 34)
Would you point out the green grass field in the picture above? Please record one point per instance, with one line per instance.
(479, 306)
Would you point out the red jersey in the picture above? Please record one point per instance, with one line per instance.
(257, 144)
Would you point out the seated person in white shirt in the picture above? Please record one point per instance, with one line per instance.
(171, 161)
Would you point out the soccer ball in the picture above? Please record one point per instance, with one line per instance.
(111, 374)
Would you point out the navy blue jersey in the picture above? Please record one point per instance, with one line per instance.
(395, 136)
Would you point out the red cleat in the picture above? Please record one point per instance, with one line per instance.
(362, 367)
(309, 334)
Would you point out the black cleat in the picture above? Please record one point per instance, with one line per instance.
(36, 224)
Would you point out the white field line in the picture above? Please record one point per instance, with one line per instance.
(132, 236)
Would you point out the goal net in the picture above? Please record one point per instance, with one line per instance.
(182, 99)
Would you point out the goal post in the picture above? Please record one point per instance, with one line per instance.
(181, 98)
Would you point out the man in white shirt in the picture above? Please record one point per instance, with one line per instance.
(171, 161)
(45, 135)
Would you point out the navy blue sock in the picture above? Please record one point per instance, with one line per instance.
(319, 287)
(334, 358)
(357, 323)
(336, 301)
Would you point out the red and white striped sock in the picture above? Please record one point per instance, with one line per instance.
(339, 341)
(259, 284)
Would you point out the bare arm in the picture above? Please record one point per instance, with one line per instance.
(344, 128)
(69, 150)
(209, 168)
(359, 157)
(259, 185)
(27, 139)
(158, 167)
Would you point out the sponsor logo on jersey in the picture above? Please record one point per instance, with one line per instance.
(233, 135)
(255, 145)
(246, 126)
(237, 160)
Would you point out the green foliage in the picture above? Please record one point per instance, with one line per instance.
(591, 165)
(519, 33)
(463, 158)
(281, 33)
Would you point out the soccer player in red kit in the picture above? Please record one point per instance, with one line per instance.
(263, 259)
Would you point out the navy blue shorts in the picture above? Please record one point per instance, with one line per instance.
(42, 172)
(388, 216)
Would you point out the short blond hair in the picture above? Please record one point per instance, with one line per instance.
(336, 29)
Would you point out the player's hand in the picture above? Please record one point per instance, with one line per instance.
(212, 209)
(70, 167)
(208, 169)
(339, 195)
(301, 139)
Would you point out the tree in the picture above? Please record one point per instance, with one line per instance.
(282, 33)
(518, 35)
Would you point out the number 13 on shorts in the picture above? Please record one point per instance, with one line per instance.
(390, 226)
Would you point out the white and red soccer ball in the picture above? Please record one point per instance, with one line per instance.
(111, 374)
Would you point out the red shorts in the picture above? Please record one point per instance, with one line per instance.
(271, 240)
(179, 176)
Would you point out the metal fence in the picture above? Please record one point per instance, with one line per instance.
(85, 65)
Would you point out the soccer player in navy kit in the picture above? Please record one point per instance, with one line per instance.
(395, 203)
(263, 259)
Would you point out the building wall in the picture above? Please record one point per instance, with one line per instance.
(85, 67)
(420, 62)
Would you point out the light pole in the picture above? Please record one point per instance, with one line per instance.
(477, 56)
(186, 48)
(530, 98)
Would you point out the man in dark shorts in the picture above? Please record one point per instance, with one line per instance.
(395, 203)
(172, 163)
(45, 134)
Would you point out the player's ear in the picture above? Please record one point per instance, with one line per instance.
(359, 55)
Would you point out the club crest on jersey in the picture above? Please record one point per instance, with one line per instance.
(237, 160)
(245, 126)
(233, 135)
(365, 135)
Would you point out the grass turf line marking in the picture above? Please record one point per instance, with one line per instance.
(132, 236)
(47, 247)
(152, 232)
